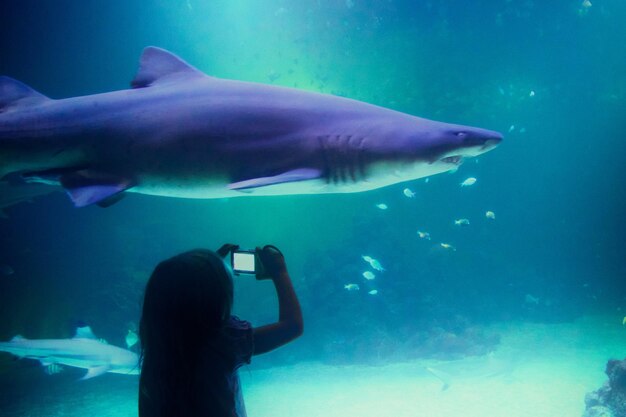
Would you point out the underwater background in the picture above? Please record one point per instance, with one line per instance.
(551, 76)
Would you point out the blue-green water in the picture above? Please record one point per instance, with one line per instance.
(551, 77)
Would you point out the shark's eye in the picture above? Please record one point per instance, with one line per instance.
(461, 135)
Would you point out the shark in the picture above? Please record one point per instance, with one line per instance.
(179, 132)
(84, 350)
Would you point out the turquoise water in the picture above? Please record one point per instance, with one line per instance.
(550, 77)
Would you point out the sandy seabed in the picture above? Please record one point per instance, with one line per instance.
(539, 370)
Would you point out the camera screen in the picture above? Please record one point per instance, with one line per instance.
(243, 262)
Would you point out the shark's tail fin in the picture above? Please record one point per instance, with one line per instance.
(14, 96)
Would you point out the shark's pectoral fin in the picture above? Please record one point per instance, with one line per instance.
(301, 174)
(96, 371)
(157, 66)
(87, 187)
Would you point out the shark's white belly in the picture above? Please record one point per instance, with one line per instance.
(381, 175)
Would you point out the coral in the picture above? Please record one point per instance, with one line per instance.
(610, 399)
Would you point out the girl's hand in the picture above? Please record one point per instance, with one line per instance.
(226, 249)
(273, 262)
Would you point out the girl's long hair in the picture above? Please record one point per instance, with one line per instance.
(187, 300)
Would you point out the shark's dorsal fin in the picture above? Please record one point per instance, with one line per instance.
(14, 93)
(157, 65)
(84, 332)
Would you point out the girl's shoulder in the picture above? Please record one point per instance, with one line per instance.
(235, 323)
(238, 336)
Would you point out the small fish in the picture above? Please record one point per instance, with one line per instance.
(531, 94)
(462, 222)
(511, 128)
(369, 275)
(530, 299)
(408, 192)
(373, 292)
(423, 235)
(373, 262)
(469, 181)
(447, 246)
(522, 130)
(376, 265)
(52, 369)
(351, 287)
(586, 4)
(273, 76)
(624, 321)
(131, 339)
(382, 206)
(427, 180)
(490, 215)
(6, 270)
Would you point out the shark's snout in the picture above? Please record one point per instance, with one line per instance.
(469, 141)
(477, 141)
(471, 137)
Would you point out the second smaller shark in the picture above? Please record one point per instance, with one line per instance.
(84, 350)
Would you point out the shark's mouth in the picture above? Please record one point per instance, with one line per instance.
(455, 159)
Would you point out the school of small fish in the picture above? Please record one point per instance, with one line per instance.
(367, 275)
(370, 276)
